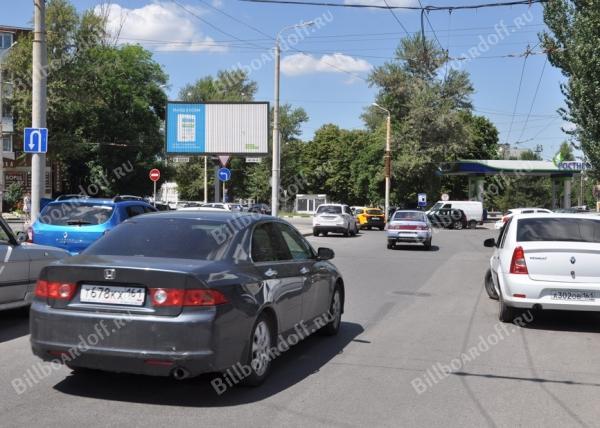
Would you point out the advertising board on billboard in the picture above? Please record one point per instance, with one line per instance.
(217, 128)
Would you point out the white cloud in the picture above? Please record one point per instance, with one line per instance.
(160, 26)
(301, 63)
(405, 3)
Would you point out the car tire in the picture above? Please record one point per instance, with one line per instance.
(335, 310)
(353, 231)
(427, 244)
(457, 225)
(382, 228)
(488, 283)
(325, 233)
(261, 340)
(506, 313)
(391, 245)
(473, 224)
(347, 232)
(315, 232)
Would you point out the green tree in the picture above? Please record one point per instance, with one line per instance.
(431, 118)
(572, 45)
(105, 103)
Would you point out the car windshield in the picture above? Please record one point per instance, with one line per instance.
(408, 216)
(329, 209)
(168, 238)
(71, 213)
(559, 229)
(437, 206)
(375, 212)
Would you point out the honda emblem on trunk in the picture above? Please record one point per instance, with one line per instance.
(109, 274)
(573, 260)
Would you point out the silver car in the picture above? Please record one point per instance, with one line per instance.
(20, 265)
(409, 226)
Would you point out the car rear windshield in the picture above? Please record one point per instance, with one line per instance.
(559, 229)
(408, 216)
(374, 212)
(329, 209)
(71, 213)
(167, 238)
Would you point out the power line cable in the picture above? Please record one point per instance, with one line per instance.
(533, 100)
(517, 98)
(396, 18)
(373, 6)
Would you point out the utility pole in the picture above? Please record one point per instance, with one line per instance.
(276, 145)
(387, 158)
(38, 101)
(276, 168)
(1, 139)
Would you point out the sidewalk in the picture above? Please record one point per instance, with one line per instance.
(303, 224)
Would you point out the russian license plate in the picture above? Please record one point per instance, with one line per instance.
(573, 295)
(131, 296)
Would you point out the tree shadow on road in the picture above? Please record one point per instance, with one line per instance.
(300, 362)
(14, 323)
(576, 321)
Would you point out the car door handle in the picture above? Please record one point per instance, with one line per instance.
(271, 273)
(304, 270)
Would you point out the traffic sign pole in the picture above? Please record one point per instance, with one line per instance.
(154, 176)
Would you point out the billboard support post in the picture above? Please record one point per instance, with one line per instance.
(205, 179)
(217, 185)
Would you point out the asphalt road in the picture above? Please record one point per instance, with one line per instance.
(409, 312)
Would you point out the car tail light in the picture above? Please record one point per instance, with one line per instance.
(55, 290)
(517, 264)
(192, 297)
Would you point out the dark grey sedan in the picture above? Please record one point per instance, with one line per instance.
(184, 293)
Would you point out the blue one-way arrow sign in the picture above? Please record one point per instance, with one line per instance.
(36, 140)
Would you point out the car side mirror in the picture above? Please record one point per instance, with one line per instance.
(325, 253)
(491, 242)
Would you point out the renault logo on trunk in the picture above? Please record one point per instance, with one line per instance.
(573, 260)
(109, 274)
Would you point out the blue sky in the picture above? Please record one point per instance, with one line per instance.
(197, 41)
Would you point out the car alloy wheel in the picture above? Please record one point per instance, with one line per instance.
(458, 225)
(335, 314)
(261, 344)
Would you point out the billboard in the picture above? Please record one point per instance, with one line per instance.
(217, 128)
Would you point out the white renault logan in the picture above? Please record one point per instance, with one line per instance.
(546, 261)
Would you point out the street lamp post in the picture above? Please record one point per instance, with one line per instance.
(275, 180)
(1, 128)
(387, 159)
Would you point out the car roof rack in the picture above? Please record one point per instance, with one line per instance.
(71, 196)
(119, 198)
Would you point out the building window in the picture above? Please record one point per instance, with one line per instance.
(7, 143)
(6, 40)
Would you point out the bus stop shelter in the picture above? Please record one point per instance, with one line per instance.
(503, 172)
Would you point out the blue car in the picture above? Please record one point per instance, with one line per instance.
(73, 223)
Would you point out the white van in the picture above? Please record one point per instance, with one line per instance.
(472, 209)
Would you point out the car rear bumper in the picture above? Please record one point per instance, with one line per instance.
(330, 228)
(540, 294)
(394, 236)
(140, 344)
